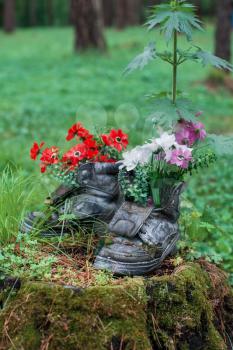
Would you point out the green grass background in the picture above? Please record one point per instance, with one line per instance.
(45, 88)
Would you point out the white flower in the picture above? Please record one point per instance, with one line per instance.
(166, 141)
(138, 155)
(153, 145)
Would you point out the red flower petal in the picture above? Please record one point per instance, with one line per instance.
(43, 168)
(35, 150)
(78, 130)
(50, 156)
(106, 140)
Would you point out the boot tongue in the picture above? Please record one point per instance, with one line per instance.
(129, 219)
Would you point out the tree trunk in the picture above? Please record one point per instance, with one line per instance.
(71, 18)
(33, 13)
(223, 30)
(88, 22)
(9, 18)
(50, 12)
(120, 13)
(108, 12)
(198, 8)
(128, 13)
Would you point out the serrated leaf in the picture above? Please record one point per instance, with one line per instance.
(170, 18)
(140, 61)
(163, 94)
(185, 109)
(208, 58)
(222, 145)
(167, 114)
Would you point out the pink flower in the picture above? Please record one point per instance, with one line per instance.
(181, 157)
(198, 114)
(187, 133)
(199, 130)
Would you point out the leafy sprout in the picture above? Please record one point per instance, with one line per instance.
(173, 18)
(178, 16)
(140, 61)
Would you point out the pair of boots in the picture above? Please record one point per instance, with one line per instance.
(141, 237)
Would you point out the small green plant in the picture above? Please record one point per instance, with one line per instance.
(203, 237)
(23, 259)
(135, 186)
(103, 278)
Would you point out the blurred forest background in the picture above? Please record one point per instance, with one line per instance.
(28, 13)
(62, 61)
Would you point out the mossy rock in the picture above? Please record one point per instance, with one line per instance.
(192, 308)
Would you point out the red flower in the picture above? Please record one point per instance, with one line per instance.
(43, 167)
(116, 139)
(92, 153)
(35, 150)
(78, 130)
(75, 154)
(106, 140)
(90, 143)
(105, 159)
(50, 156)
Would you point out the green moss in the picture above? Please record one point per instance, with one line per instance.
(89, 319)
(180, 303)
(172, 312)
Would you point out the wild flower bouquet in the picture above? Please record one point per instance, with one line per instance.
(105, 148)
(166, 158)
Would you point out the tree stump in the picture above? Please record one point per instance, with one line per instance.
(190, 308)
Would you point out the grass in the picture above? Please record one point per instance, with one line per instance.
(45, 87)
(16, 197)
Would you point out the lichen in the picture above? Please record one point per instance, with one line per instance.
(170, 312)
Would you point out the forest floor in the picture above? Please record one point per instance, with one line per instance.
(45, 88)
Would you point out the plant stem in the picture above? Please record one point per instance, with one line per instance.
(175, 64)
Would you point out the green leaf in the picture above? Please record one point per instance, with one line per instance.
(163, 94)
(166, 56)
(208, 58)
(140, 61)
(167, 113)
(172, 17)
(222, 145)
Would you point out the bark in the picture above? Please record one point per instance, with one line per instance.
(33, 13)
(71, 13)
(198, 8)
(88, 23)
(50, 12)
(108, 12)
(9, 16)
(128, 13)
(223, 29)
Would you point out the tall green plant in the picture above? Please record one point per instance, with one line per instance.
(16, 194)
(174, 18)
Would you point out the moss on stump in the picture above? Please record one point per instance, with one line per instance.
(191, 308)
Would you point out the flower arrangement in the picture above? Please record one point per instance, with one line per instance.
(106, 148)
(169, 156)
